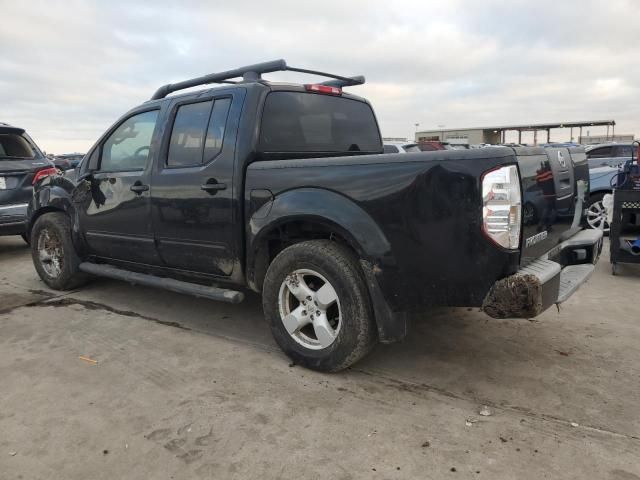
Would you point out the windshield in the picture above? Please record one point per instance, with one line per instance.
(15, 147)
(313, 123)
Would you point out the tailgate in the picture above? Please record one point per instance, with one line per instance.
(554, 186)
(15, 179)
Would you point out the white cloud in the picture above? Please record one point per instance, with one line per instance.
(69, 69)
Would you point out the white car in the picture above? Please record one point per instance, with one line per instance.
(400, 147)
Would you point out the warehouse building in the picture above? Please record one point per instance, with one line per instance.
(496, 135)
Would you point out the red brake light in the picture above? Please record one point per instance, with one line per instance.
(45, 172)
(313, 87)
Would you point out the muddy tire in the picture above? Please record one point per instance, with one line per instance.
(53, 253)
(318, 307)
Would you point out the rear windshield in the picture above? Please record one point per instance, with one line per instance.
(314, 123)
(14, 146)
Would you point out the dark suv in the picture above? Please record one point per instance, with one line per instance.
(22, 164)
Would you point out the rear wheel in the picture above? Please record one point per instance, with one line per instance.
(317, 304)
(53, 253)
(597, 214)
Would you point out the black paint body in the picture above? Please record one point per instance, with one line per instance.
(415, 219)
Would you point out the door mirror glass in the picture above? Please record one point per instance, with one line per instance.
(128, 147)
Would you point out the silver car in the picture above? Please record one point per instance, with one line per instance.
(604, 162)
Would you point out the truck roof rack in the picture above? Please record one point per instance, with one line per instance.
(252, 73)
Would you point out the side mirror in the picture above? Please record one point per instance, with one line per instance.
(88, 176)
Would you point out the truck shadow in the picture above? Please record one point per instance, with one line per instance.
(559, 365)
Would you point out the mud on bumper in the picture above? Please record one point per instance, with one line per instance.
(552, 278)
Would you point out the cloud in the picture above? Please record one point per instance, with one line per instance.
(68, 70)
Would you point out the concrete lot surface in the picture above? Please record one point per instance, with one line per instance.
(186, 388)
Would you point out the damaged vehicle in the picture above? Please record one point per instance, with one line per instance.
(22, 165)
(284, 190)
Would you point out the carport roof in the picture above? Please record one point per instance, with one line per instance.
(532, 126)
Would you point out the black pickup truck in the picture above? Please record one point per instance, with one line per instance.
(283, 189)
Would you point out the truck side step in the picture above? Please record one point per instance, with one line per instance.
(202, 291)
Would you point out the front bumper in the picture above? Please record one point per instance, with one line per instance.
(13, 219)
(550, 279)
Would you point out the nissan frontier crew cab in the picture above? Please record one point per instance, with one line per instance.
(284, 190)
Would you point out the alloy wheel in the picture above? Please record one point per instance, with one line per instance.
(50, 252)
(310, 309)
(597, 216)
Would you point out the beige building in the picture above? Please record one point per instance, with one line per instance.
(495, 135)
(466, 136)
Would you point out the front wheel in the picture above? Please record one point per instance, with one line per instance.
(317, 304)
(53, 253)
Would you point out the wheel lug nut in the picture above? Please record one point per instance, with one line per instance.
(311, 317)
(304, 312)
(309, 298)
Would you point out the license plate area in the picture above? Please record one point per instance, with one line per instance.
(9, 182)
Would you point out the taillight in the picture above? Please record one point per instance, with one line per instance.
(312, 87)
(502, 206)
(45, 172)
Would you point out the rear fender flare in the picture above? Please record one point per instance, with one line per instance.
(326, 208)
(348, 220)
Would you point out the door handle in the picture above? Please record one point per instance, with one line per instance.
(138, 188)
(213, 186)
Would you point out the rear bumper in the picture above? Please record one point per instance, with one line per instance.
(13, 219)
(550, 279)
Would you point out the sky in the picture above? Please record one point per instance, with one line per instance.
(69, 70)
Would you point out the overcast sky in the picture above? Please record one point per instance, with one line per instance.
(69, 69)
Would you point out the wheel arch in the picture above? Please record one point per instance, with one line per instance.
(305, 214)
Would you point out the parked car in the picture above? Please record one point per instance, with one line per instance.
(67, 161)
(604, 164)
(284, 189)
(22, 164)
(400, 147)
(432, 145)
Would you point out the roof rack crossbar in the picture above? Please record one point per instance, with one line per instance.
(252, 73)
(339, 80)
(349, 82)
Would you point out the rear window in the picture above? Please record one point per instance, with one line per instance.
(391, 149)
(305, 122)
(602, 152)
(14, 146)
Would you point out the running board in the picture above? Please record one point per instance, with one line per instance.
(202, 291)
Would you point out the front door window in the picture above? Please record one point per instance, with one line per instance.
(128, 147)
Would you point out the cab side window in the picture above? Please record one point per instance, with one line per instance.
(187, 136)
(128, 147)
(198, 133)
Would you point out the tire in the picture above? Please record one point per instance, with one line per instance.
(593, 208)
(53, 253)
(345, 330)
